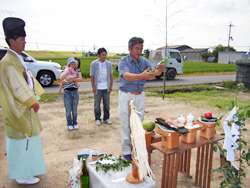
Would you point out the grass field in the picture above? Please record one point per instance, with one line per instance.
(204, 67)
(189, 67)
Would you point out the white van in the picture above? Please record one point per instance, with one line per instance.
(174, 66)
(45, 72)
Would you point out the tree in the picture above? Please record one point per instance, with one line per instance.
(206, 55)
(146, 53)
(230, 175)
(220, 48)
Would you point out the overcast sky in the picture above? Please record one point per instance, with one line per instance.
(82, 24)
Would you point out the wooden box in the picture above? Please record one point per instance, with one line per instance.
(169, 140)
(208, 130)
(191, 136)
(148, 137)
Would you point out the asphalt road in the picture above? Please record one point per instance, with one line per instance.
(86, 86)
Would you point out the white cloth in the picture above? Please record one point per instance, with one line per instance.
(124, 115)
(139, 144)
(231, 136)
(29, 79)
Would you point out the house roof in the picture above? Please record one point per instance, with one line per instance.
(196, 50)
(174, 47)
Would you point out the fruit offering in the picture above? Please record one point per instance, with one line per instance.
(148, 125)
(208, 114)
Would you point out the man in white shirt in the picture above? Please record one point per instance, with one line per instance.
(101, 73)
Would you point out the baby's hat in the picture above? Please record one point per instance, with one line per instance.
(70, 60)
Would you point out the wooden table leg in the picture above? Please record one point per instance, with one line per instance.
(197, 165)
(164, 167)
(176, 166)
(185, 160)
(210, 164)
(170, 170)
(149, 155)
(204, 162)
(205, 172)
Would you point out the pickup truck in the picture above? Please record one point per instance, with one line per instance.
(174, 64)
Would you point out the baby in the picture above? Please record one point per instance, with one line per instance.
(71, 66)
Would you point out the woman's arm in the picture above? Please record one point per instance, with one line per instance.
(78, 79)
(64, 75)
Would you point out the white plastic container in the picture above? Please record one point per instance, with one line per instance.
(114, 179)
(190, 119)
(181, 120)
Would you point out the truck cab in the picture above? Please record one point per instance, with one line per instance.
(174, 64)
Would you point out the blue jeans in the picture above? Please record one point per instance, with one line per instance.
(105, 96)
(70, 99)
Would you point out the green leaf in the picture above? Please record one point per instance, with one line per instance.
(215, 148)
(247, 156)
(231, 105)
(222, 154)
(218, 106)
(120, 163)
(222, 116)
(240, 112)
(240, 147)
(244, 142)
(248, 113)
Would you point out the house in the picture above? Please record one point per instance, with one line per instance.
(188, 53)
(193, 54)
(231, 56)
(177, 47)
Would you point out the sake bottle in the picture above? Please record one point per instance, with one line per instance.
(85, 175)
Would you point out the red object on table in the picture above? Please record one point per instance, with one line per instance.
(208, 114)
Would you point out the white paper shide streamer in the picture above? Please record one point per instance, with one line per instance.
(140, 154)
(231, 136)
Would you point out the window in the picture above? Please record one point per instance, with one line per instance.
(176, 55)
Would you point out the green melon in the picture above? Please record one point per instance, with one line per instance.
(148, 125)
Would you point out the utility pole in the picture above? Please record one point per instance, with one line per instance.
(165, 56)
(229, 37)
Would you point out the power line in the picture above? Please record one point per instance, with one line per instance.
(145, 46)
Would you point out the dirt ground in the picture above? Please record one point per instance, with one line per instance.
(60, 145)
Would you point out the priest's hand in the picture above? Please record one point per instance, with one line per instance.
(35, 106)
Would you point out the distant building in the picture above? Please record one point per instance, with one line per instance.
(177, 47)
(231, 56)
(188, 53)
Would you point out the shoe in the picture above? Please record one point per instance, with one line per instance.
(30, 181)
(75, 127)
(108, 122)
(70, 127)
(128, 157)
(98, 122)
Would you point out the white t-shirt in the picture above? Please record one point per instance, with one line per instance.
(102, 76)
